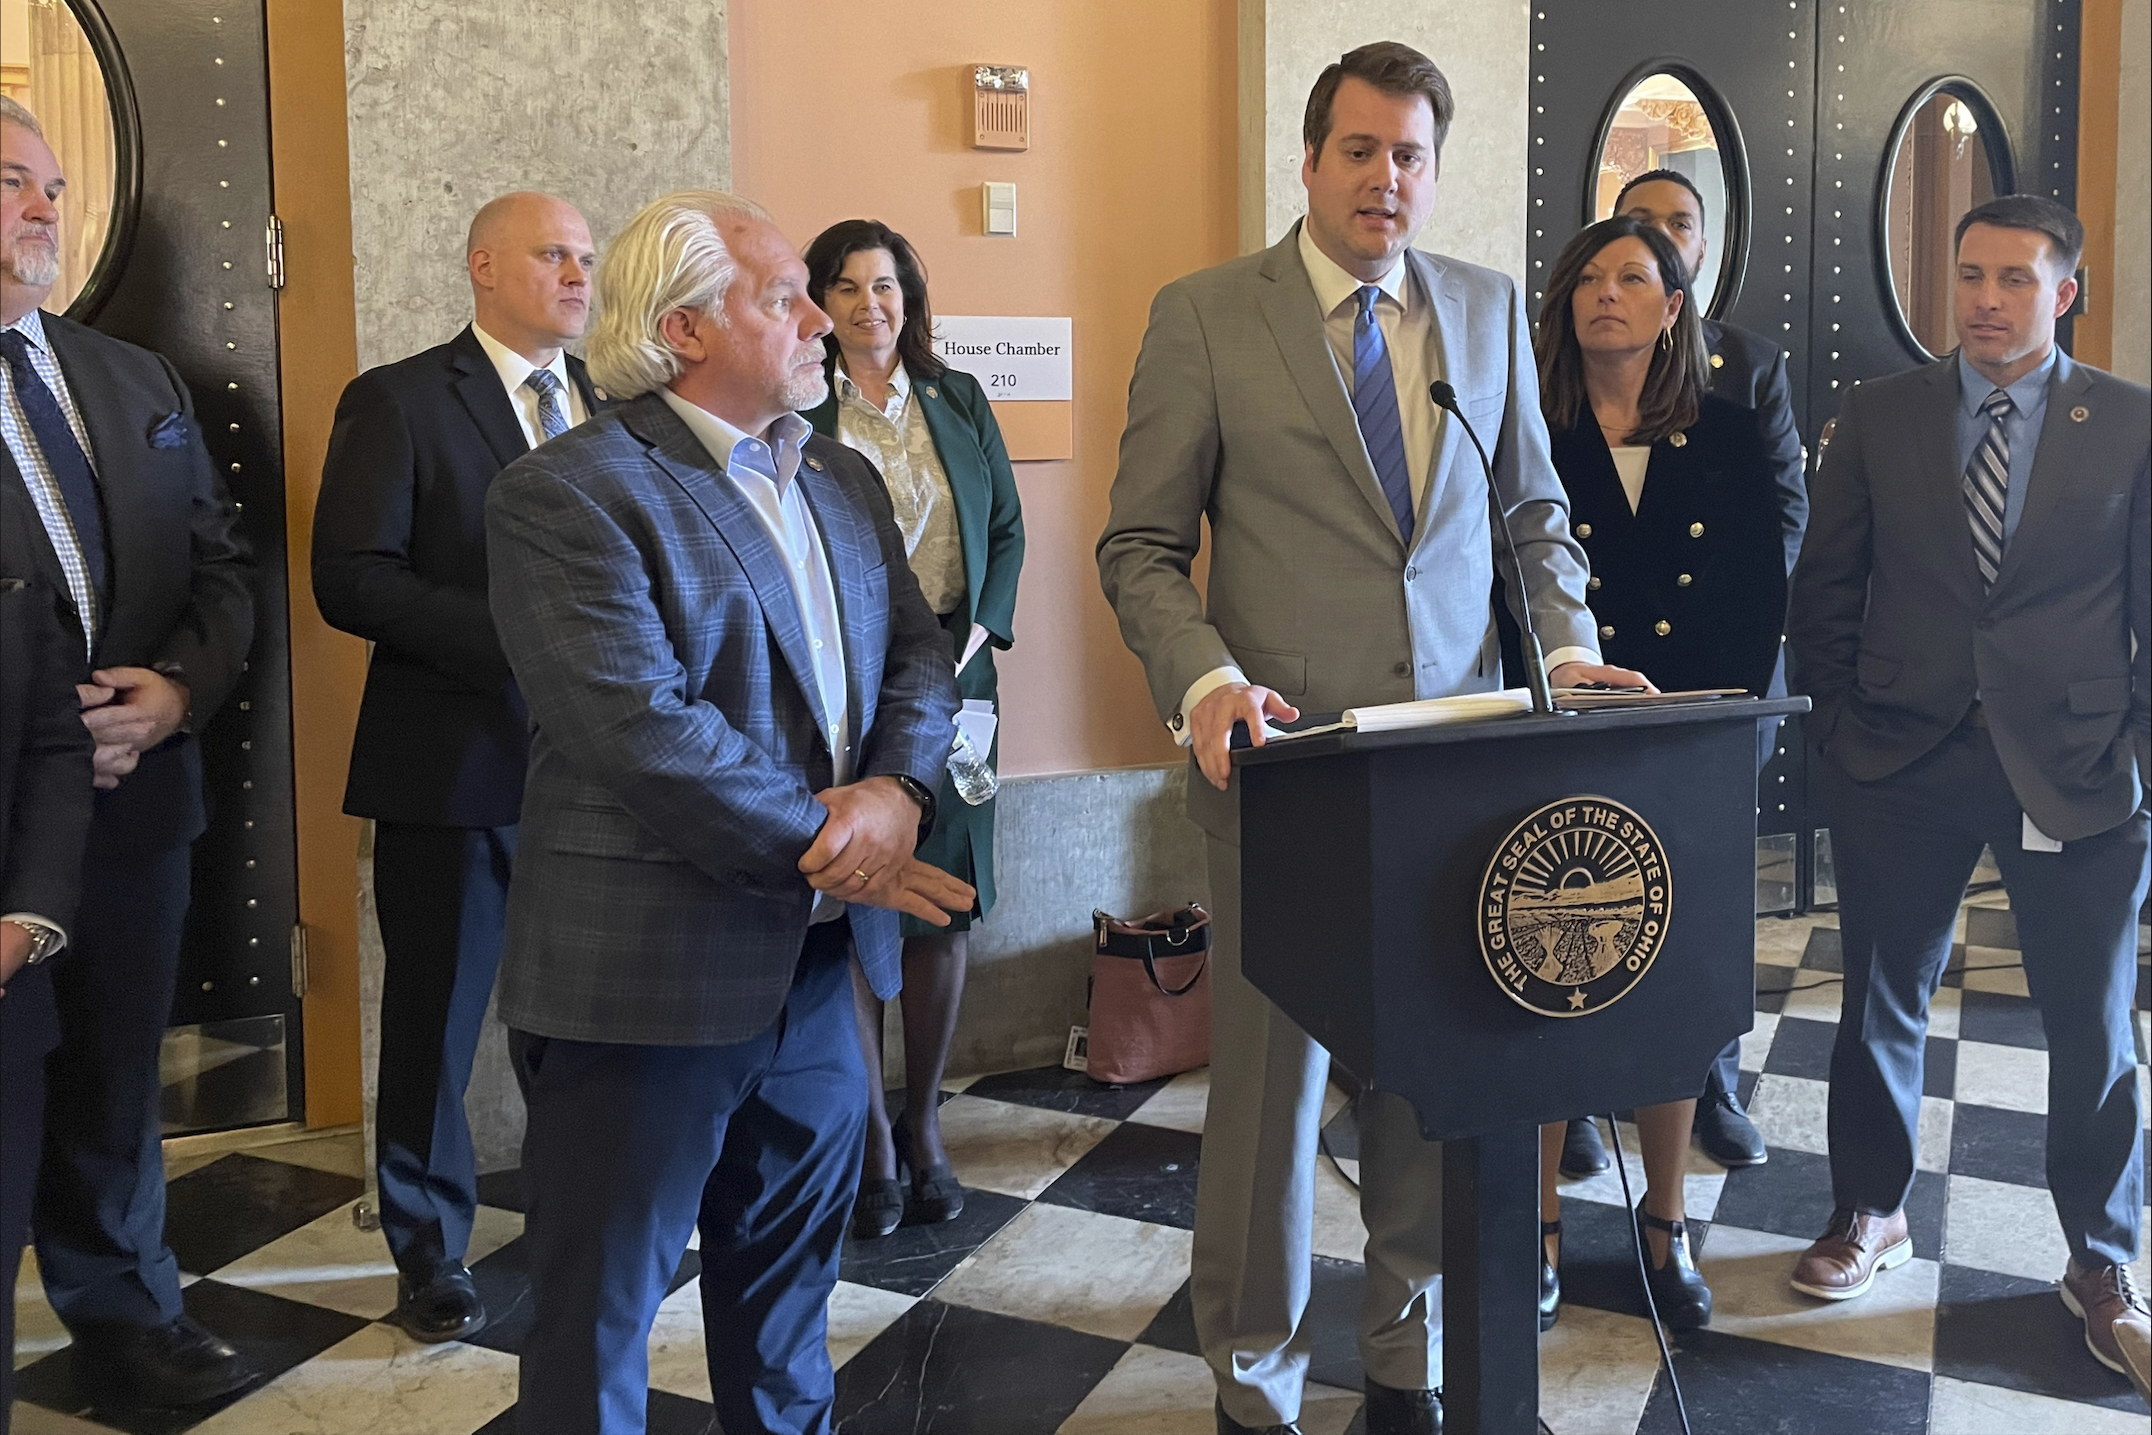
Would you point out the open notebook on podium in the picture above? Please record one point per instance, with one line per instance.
(1473, 707)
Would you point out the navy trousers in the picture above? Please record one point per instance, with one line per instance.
(29, 1028)
(630, 1148)
(442, 895)
(99, 1219)
(1905, 848)
(1724, 1077)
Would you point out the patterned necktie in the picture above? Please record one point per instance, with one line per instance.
(1374, 404)
(552, 413)
(1987, 488)
(71, 472)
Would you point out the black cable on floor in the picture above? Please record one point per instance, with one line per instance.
(1636, 1238)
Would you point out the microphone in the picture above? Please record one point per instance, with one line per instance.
(1535, 658)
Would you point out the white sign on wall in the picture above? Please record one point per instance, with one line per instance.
(1012, 358)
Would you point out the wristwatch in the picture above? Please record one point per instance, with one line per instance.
(920, 793)
(44, 940)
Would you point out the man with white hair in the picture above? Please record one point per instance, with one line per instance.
(108, 497)
(740, 707)
(437, 760)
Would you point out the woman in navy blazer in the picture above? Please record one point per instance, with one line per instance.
(931, 436)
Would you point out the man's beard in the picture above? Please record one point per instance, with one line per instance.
(31, 263)
(806, 389)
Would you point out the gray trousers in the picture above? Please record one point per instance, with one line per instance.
(1255, 1200)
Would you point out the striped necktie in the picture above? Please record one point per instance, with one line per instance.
(1374, 404)
(552, 414)
(1987, 488)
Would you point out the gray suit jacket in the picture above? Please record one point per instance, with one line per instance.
(675, 749)
(1237, 413)
(1892, 638)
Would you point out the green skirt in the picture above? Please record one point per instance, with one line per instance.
(962, 843)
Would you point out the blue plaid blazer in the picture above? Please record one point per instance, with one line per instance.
(675, 744)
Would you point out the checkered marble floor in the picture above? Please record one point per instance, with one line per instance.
(1058, 1302)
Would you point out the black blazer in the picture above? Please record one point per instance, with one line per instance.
(182, 576)
(1749, 370)
(45, 792)
(400, 560)
(1691, 588)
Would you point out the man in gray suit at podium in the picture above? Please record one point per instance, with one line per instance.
(1284, 396)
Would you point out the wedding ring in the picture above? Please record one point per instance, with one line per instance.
(864, 879)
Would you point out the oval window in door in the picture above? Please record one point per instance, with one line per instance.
(1947, 154)
(62, 64)
(1674, 122)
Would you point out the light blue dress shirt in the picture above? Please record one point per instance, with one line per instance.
(2022, 428)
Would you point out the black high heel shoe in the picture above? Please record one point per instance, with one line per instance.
(936, 1195)
(1550, 1278)
(1683, 1300)
(879, 1208)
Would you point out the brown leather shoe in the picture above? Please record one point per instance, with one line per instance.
(2118, 1331)
(1851, 1252)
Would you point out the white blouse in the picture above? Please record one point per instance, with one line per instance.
(896, 439)
(1630, 461)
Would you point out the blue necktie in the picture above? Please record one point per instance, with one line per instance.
(1987, 487)
(71, 472)
(1374, 403)
(552, 414)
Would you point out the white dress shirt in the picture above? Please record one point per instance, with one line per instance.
(514, 369)
(766, 473)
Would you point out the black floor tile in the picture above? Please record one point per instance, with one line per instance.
(1991, 927)
(1939, 1068)
(504, 1284)
(1747, 1086)
(1174, 1327)
(1772, 984)
(1146, 1173)
(1059, 1089)
(503, 1189)
(1824, 952)
(1790, 1195)
(956, 1371)
(1331, 1326)
(1998, 1145)
(239, 1203)
(912, 1259)
(666, 1414)
(2001, 1330)
(1341, 1138)
(274, 1334)
(1757, 1388)
(1801, 1048)
(2002, 1019)
(1599, 1257)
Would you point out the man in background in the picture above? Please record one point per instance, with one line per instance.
(111, 494)
(1284, 397)
(437, 760)
(1750, 370)
(1970, 616)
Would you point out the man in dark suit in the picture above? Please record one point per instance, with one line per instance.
(740, 707)
(45, 805)
(437, 761)
(1749, 370)
(111, 499)
(1970, 617)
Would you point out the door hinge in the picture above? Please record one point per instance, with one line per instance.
(273, 242)
(298, 959)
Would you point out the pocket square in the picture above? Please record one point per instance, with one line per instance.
(169, 431)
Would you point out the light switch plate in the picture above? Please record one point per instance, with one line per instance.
(998, 205)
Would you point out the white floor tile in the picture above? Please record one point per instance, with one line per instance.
(1943, 1010)
(38, 1332)
(37, 1420)
(1756, 1043)
(1163, 1392)
(1016, 1150)
(1078, 1269)
(1960, 1408)
(1794, 1111)
(344, 1153)
(2011, 1077)
(378, 1379)
(1339, 1232)
(679, 1357)
(857, 1314)
(1180, 1104)
(1596, 1371)
(1703, 1179)
(1894, 1324)
(331, 1262)
(1998, 1227)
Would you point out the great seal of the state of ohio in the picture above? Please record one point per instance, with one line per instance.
(1574, 906)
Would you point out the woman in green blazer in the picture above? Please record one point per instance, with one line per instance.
(929, 432)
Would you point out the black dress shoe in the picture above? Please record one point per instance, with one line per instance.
(1550, 1277)
(879, 1209)
(441, 1307)
(1727, 1135)
(1679, 1293)
(936, 1196)
(1583, 1153)
(1403, 1412)
(1227, 1425)
(163, 1367)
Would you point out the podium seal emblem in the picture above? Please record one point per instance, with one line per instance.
(1574, 906)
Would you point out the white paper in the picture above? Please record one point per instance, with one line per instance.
(1013, 358)
(2038, 841)
(977, 722)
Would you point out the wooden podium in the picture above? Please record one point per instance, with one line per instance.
(1507, 923)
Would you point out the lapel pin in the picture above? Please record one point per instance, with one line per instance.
(2079, 414)
(815, 464)
(932, 392)
(1678, 440)
(600, 395)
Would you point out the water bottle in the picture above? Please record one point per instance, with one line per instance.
(974, 776)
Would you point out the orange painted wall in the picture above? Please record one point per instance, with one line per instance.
(852, 108)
